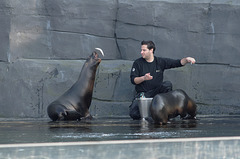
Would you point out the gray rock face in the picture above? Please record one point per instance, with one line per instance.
(44, 44)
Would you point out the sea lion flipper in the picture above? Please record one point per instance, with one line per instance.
(89, 116)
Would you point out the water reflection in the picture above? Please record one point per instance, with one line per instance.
(29, 131)
(105, 129)
(116, 129)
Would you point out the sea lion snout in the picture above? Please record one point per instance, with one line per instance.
(95, 57)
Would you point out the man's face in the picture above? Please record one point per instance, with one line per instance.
(145, 52)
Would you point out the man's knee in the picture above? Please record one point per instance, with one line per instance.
(134, 111)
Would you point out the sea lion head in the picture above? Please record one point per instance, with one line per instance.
(93, 60)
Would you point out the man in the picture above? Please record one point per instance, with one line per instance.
(147, 74)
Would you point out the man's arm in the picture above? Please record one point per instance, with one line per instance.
(139, 80)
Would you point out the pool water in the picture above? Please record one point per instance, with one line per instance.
(121, 137)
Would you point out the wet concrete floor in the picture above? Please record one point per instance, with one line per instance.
(122, 134)
(99, 129)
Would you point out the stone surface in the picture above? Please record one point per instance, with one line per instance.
(5, 26)
(44, 45)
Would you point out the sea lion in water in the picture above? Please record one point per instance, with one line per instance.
(74, 103)
(169, 105)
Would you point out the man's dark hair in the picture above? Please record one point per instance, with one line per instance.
(150, 45)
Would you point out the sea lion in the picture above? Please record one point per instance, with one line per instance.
(169, 105)
(74, 103)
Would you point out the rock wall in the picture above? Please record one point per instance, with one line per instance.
(44, 44)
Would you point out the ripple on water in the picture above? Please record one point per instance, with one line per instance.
(118, 135)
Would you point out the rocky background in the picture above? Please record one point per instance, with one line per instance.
(44, 44)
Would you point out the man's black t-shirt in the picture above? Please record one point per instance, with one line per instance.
(156, 68)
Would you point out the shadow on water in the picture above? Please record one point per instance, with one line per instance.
(100, 129)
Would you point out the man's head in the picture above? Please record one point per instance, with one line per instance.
(150, 45)
(147, 50)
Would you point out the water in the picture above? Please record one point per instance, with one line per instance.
(100, 129)
(206, 137)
